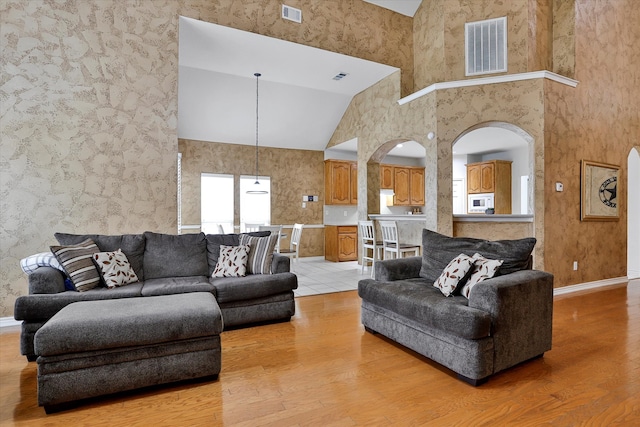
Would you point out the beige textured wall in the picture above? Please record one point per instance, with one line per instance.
(600, 121)
(293, 173)
(89, 99)
(493, 230)
(439, 36)
(88, 124)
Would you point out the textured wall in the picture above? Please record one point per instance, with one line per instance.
(600, 121)
(439, 36)
(293, 173)
(493, 230)
(351, 27)
(89, 99)
(88, 124)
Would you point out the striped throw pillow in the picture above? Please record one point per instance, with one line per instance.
(77, 261)
(260, 252)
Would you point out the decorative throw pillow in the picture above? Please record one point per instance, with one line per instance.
(43, 259)
(115, 268)
(232, 261)
(483, 268)
(453, 274)
(260, 253)
(77, 261)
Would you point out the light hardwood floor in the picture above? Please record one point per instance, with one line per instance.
(322, 369)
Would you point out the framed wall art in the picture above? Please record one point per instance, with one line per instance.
(599, 187)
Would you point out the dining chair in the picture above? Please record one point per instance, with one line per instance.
(369, 242)
(391, 244)
(220, 229)
(248, 227)
(273, 229)
(293, 252)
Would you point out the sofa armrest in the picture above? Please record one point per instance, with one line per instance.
(280, 264)
(46, 280)
(398, 269)
(521, 308)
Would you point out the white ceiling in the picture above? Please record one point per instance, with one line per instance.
(300, 103)
(405, 7)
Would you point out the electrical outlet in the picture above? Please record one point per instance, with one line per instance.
(345, 213)
(304, 205)
(575, 265)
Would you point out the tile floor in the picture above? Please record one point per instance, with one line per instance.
(317, 276)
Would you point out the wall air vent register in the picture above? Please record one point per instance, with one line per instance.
(292, 14)
(486, 46)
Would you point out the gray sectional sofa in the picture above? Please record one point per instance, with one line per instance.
(165, 265)
(506, 319)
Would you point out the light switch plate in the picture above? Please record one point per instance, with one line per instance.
(559, 186)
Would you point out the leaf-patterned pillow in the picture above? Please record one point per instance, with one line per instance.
(483, 268)
(232, 261)
(115, 268)
(453, 274)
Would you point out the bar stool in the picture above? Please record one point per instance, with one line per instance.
(390, 242)
(368, 236)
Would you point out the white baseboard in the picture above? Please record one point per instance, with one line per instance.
(589, 285)
(6, 322)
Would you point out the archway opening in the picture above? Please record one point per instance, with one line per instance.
(512, 187)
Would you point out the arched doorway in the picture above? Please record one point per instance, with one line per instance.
(633, 214)
(495, 141)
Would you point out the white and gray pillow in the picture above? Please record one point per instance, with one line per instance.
(232, 261)
(454, 274)
(261, 252)
(77, 261)
(483, 268)
(115, 268)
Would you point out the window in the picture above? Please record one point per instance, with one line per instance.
(255, 209)
(486, 46)
(216, 201)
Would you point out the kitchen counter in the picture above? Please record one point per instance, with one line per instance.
(392, 217)
(492, 218)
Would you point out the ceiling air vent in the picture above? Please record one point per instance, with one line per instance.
(292, 14)
(340, 76)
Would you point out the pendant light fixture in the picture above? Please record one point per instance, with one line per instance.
(256, 188)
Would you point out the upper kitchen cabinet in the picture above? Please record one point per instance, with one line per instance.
(340, 181)
(386, 177)
(492, 176)
(408, 185)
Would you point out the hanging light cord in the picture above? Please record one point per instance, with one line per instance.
(257, 94)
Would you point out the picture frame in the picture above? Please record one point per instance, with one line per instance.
(599, 188)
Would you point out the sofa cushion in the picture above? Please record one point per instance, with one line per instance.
(232, 261)
(114, 268)
(77, 263)
(438, 250)
(175, 255)
(215, 240)
(176, 285)
(454, 274)
(132, 246)
(418, 300)
(261, 253)
(483, 268)
(253, 286)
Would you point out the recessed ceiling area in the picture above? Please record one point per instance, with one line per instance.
(405, 7)
(300, 102)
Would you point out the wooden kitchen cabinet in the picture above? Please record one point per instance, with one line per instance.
(492, 176)
(401, 182)
(416, 186)
(340, 181)
(354, 184)
(407, 183)
(386, 177)
(341, 243)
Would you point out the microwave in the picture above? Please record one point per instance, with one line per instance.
(479, 203)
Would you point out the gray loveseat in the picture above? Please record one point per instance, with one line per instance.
(506, 320)
(164, 264)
